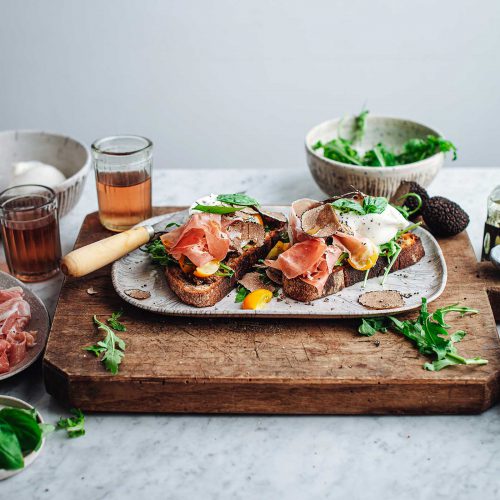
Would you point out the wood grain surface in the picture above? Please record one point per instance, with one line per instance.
(175, 364)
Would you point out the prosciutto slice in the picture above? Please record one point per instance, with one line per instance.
(201, 239)
(312, 260)
(15, 314)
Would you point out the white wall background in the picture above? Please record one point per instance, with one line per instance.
(237, 84)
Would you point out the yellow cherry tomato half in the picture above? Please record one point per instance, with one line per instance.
(207, 269)
(259, 219)
(277, 250)
(366, 260)
(185, 265)
(257, 299)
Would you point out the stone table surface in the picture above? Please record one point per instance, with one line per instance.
(245, 457)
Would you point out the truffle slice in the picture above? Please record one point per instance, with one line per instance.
(320, 222)
(138, 294)
(275, 275)
(253, 281)
(383, 299)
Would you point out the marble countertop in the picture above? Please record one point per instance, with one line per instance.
(246, 457)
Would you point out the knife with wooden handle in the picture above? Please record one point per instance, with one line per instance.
(89, 258)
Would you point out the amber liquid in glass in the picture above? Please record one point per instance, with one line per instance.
(32, 247)
(124, 199)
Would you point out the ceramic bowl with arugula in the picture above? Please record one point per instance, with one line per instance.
(374, 153)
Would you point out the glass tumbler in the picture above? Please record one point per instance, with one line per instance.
(30, 231)
(122, 167)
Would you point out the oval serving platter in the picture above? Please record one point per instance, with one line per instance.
(427, 278)
(39, 321)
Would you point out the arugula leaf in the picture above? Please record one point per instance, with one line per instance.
(158, 253)
(370, 326)
(374, 204)
(115, 324)
(347, 205)
(73, 425)
(24, 425)
(340, 150)
(241, 293)
(111, 348)
(217, 209)
(430, 334)
(11, 456)
(238, 199)
(419, 149)
(360, 126)
(226, 272)
(172, 224)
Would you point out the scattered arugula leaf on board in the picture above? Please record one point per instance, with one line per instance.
(73, 425)
(111, 349)
(429, 332)
(114, 323)
(238, 199)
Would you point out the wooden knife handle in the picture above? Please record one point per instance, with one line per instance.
(89, 258)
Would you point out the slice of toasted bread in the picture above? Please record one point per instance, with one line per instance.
(207, 292)
(343, 276)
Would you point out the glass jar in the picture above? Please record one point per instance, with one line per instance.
(30, 231)
(123, 167)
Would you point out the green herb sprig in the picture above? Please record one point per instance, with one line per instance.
(369, 205)
(73, 425)
(111, 349)
(429, 332)
(225, 271)
(158, 253)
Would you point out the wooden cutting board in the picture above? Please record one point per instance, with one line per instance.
(268, 366)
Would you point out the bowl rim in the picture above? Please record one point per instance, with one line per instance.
(363, 168)
(81, 172)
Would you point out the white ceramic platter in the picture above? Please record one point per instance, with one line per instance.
(426, 279)
(39, 322)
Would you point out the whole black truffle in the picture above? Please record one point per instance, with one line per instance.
(411, 202)
(444, 217)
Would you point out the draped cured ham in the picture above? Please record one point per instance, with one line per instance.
(15, 316)
(202, 239)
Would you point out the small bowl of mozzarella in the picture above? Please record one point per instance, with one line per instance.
(53, 160)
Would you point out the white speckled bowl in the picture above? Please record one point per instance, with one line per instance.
(68, 155)
(28, 459)
(336, 178)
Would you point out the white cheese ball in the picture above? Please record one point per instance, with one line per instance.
(36, 172)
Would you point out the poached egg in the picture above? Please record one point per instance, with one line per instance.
(379, 228)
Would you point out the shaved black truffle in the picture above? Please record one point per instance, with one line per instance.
(411, 202)
(444, 217)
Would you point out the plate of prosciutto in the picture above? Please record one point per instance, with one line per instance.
(24, 326)
(228, 256)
